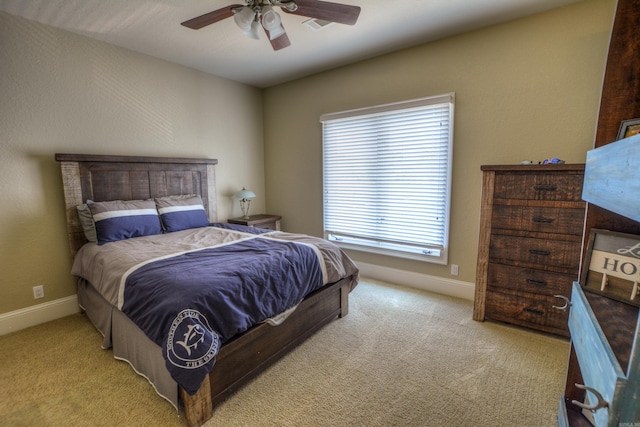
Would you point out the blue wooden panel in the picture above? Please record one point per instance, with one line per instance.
(598, 364)
(612, 177)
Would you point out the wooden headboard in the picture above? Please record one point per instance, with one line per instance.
(101, 178)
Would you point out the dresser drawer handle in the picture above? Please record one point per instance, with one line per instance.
(539, 252)
(536, 282)
(567, 303)
(601, 403)
(545, 187)
(542, 219)
(534, 311)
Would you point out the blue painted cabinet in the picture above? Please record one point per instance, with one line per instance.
(603, 380)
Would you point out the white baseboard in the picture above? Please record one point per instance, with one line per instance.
(439, 285)
(41, 313)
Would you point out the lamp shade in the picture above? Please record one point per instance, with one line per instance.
(270, 18)
(254, 31)
(272, 22)
(276, 32)
(244, 194)
(244, 17)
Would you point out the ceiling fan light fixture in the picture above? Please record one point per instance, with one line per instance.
(272, 22)
(254, 30)
(276, 32)
(244, 17)
(270, 18)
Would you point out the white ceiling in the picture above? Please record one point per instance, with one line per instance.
(153, 27)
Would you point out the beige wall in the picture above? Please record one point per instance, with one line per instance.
(525, 90)
(65, 93)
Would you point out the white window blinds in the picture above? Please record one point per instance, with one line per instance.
(387, 173)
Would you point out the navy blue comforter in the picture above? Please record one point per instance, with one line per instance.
(192, 303)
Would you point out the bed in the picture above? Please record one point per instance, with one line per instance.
(229, 359)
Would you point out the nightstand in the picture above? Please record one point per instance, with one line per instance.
(270, 222)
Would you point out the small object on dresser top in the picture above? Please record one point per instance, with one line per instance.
(526, 162)
(554, 161)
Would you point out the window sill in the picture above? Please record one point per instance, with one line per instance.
(441, 260)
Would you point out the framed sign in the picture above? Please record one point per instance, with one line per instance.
(613, 261)
(629, 128)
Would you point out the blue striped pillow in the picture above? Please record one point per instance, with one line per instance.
(181, 212)
(119, 220)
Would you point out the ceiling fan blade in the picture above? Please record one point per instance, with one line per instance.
(334, 12)
(279, 42)
(211, 17)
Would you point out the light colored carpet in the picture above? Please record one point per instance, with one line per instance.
(402, 357)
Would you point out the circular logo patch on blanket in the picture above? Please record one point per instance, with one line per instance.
(191, 342)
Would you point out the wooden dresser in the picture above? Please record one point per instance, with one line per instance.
(531, 226)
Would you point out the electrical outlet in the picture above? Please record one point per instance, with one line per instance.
(38, 292)
(454, 269)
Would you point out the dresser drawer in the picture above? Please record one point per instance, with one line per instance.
(538, 219)
(533, 311)
(551, 186)
(543, 254)
(598, 364)
(269, 225)
(507, 278)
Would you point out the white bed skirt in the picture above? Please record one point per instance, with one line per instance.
(129, 343)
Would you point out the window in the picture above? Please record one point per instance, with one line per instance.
(387, 178)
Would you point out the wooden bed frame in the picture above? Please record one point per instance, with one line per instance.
(102, 178)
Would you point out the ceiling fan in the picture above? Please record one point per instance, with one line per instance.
(256, 13)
